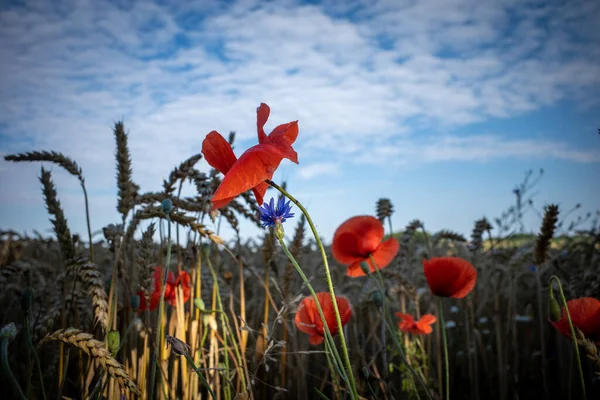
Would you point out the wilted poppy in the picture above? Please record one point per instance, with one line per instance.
(182, 279)
(256, 165)
(585, 315)
(450, 276)
(308, 319)
(422, 326)
(359, 238)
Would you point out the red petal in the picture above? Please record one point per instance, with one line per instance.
(383, 256)
(154, 300)
(449, 276)
(316, 340)
(142, 295)
(217, 152)
(356, 238)
(424, 324)
(407, 318)
(259, 192)
(585, 315)
(304, 316)
(255, 166)
(287, 132)
(262, 115)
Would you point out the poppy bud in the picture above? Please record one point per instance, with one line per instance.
(279, 232)
(199, 304)
(135, 302)
(554, 310)
(114, 341)
(167, 206)
(9, 331)
(365, 267)
(26, 299)
(377, 298)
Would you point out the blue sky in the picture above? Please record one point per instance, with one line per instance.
(439, 105)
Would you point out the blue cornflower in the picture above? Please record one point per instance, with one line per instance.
(270, 215)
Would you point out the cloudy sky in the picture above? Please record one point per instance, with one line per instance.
(439, 105)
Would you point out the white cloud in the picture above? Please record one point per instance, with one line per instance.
(356, 75)
(318, 170)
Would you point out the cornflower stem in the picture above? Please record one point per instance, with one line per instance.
(338, 319)
(571, 328)
(445, 340)
(328, 337)
(7, 370)
(379, 281)
(34, 351)
(161, 306)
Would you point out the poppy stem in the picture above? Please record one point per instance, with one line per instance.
(328, 337)
(161, 306)
(573, 337)
(445, 340)
(338, 319)
(379, 281)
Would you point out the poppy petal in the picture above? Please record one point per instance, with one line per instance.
(259, 192)
(367, 232)
(424, 324)
(449, 276)
(385, 253)
(218, 152)
(255, 166)
(355, 269)
(316, 340)
(304, 317)
(287, 132)
(406, 317)
(142, 295)
(585, 315)
(262, 115)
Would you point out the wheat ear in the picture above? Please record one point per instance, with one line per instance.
(95, 348)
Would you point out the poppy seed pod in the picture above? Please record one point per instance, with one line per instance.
(9, 331)
(377, 298)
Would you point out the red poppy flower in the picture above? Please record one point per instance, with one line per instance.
(256, 165)
(357, 239)
(183, 279)
(308, 319)
(450, 276)
(422, 327)
(585, 315)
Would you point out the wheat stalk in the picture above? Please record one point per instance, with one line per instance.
(95, 348)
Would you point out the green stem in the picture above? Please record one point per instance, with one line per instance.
(385, 318)
(7, 370)
(327, 333)
(445, 340)
(161, 306)
(564, 301)
(87, 217)
(191, 362)
(35, 354)
(338, 319)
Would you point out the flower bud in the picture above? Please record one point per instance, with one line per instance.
(199, 304)
(135, 302)
(377, 298)
(114, 341)
(365, 267)
(279, 232)
(26, 299)
(167, 206)
(9, 331)
(554, 310)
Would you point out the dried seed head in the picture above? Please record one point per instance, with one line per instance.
(385, 209)
(178, 347)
